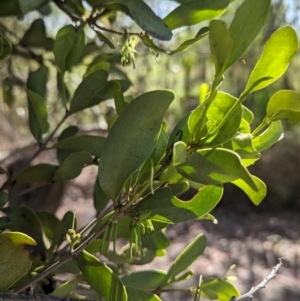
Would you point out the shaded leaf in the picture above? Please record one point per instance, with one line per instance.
(37, 81)
(85, 95)
(103, 281)
(132, 139)
(162, 206)
(105, 40)
(85, 143)
(35, 36)
(220, 44)
(65, 288)
(155, 241)
(39, 173)
(137, 294)
(38, 115)
(194, 12)
(3, 198)
(5, 47)
(71, 167)
(246, 24)
(100, 198)
(273, 62)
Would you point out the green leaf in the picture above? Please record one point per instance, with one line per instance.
(274, 61)
(137, 294)
(15, 262)
(247, 114)
(65, 288)
(35, 36)
(162, 206)
(71, 167)
(85, 95)
(38, 115)
(78, 44)
(247, 23)
(187, 256)
(284, 104)
(102, 280)
(3, 198)
(63, 45)
(214, 165)
(100, 198)
(194, 12)
(20, 238)
(156, 241)
(19, 7)
(62, 154)
(242, 144)
(37, 81)
(39, 173)
(132, 139)
(5, 47)
(219, 289)
(120, 102)
(255, 196)
(50, 223)
(270, 136)
(85, 143)
(62, 89)
(220, 44)
(146, 280)
(143, 15)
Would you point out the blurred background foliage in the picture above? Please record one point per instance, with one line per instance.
(33, 36)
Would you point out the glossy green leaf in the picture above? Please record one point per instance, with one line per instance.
(247, 114)
(273, 62)
(62, 89)
(255, 196)
(220, 44)
(194, 120)
(132, 139)
(284, 104)
(187, 256)
(242, 144)
(38, 115)
(162, 206)
(247, 23)
(100, 198)
(102, 280)
(39, 173)
(270, 136)
(5, 48)
(85, 143)
(62, 154)
(137, 294)
(65, 288)
(194, 12)
(63, 45)
(37, 81)
(214, 165)
(71, 167)
(85, 95)
(219, 289)
(146, 280)
(3, 198)
(148, 20)
(19, 238)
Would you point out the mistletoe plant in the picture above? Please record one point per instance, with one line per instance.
(142, 166)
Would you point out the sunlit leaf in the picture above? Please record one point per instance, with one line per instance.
(65, 288)
(273, 62)
(194, 12)
(255, 196)
(162, 206)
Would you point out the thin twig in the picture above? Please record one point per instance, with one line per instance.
(249, 296)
